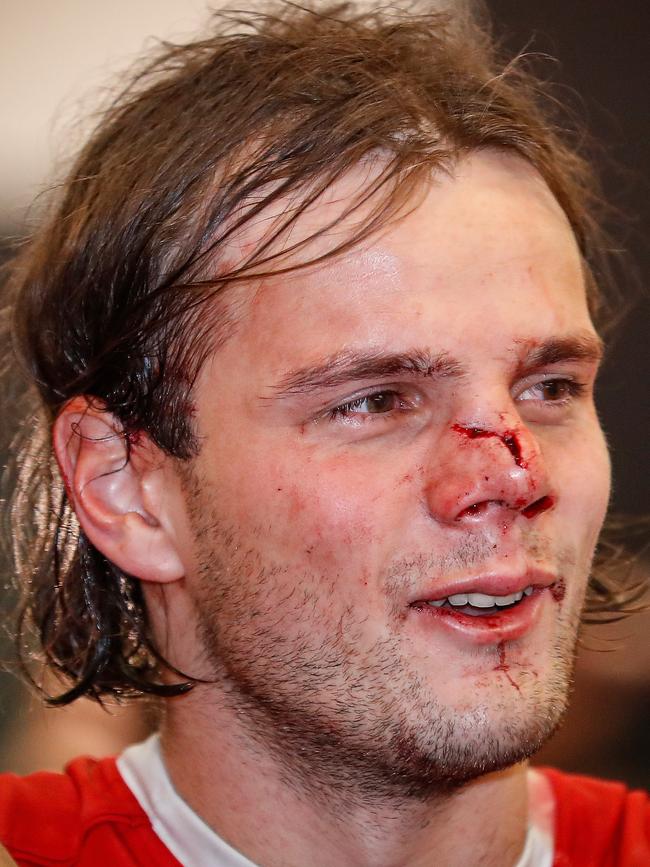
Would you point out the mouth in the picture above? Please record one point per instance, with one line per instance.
(480, 604)
(489, 610)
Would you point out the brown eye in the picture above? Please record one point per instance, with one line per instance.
(556, 389)
(383, 401)
(378, 403)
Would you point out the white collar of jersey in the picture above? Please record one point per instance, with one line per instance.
(195, 844)
(184, 833)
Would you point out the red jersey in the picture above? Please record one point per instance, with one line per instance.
(88, 817)
(598, 823)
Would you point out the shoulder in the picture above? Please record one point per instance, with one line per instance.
(599, 822)
(48, 818)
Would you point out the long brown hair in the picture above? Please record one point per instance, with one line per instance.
(110, 292)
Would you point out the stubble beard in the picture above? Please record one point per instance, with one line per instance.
(341, 717)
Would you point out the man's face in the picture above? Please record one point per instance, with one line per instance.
(405, 424)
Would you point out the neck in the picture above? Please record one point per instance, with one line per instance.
(271, 810)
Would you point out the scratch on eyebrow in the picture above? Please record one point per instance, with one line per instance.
(343, 367)
(583, 346)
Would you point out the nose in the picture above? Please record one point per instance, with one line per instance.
(481, 473)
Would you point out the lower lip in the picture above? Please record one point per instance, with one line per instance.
(507, 625)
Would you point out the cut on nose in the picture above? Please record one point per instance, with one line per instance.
(510, 439)
(481, 472)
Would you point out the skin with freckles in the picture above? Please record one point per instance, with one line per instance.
(338, 491)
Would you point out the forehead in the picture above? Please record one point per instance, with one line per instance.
(487, 244)
(494, 216)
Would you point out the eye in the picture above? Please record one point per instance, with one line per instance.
(558, 391)
(377, 403)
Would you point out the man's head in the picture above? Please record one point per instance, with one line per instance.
(407, 423)
(325, 286)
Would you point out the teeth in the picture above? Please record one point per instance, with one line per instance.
(508, 600)
(481, 600)
(458, 599)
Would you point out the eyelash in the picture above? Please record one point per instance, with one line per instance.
(345, 410)
(574, 389)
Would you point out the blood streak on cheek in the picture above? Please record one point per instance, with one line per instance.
(509, 438)
(503, 666)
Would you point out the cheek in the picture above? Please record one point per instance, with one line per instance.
(586, 482)
(331, 517)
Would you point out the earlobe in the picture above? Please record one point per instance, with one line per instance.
(113, 486)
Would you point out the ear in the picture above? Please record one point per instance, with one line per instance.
(117, 487)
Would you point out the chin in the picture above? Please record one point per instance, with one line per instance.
(444, 745)
(460, 748)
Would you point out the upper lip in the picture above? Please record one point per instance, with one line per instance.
(490, 583)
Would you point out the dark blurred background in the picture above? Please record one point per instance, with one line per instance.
(52, 54)
(603, 70)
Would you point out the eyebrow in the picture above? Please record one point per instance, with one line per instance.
(576, 347)
(350, 365)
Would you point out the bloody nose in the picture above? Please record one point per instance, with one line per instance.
(481, 472)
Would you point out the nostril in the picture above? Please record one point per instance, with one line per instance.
(539, 506)
(542, 505)
(473, 510)
(478, 508)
